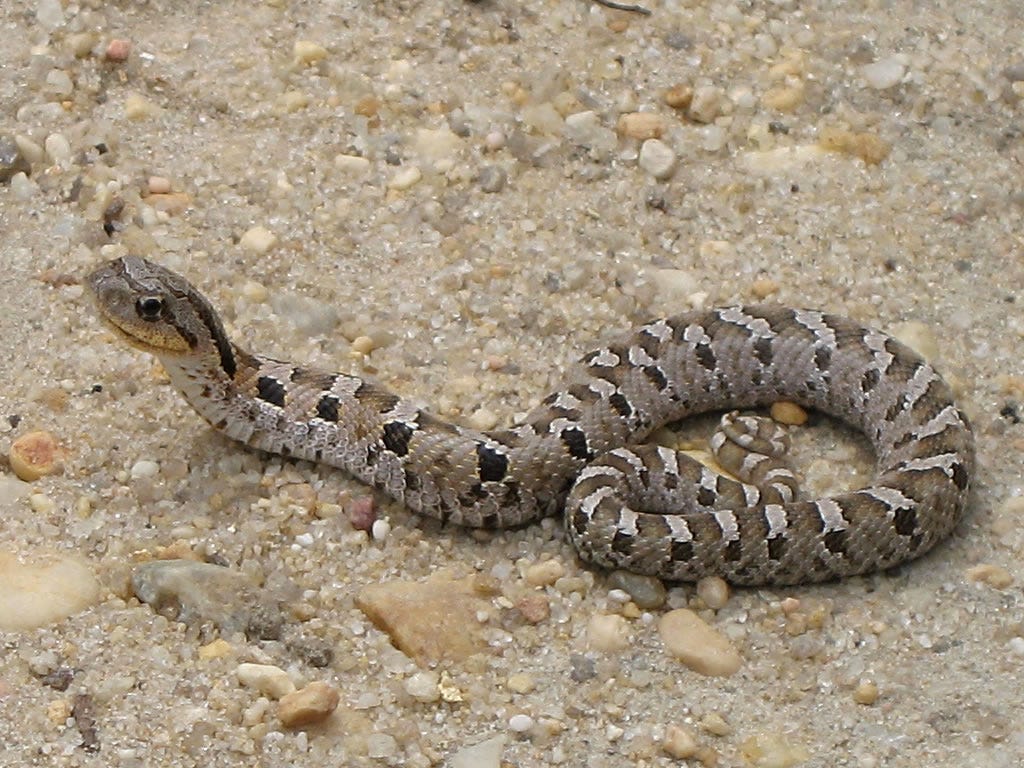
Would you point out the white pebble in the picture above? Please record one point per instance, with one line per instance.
(885, 73)
(405, 178)
(49, 14)
(353, 165)
(424, 686)
(608, 633)
(266, 678)
(259, 240)
(144, 468)
(57, 148)
(1017, 645)
(380, 530)
(657, 158)
(520, 723)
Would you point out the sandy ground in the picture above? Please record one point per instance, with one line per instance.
(453, 182)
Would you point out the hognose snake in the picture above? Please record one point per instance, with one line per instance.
(627, 505)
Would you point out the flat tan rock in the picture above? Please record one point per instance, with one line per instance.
(429, 621)
(699, 646)
(43, 588)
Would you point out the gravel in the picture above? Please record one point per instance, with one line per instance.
(461, 183)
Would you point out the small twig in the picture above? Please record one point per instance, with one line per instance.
(624, 7)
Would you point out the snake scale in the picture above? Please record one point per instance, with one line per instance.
(626, 504)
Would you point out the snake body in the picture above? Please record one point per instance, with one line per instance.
(626, 504)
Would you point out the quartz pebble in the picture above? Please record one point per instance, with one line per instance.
(258, 240)
(41, 588)
(520, 723)
(486, 754)
(608, 633)
(34, 455)
(706, 104)
(545, 573)
(308, 705)
(714, 591)
(774, 750)
(269, 680)
(424, 686)
(307, 52)
(430, 621)
(885, 73)
(690, 639)
(679, 742)
(405, 178)
(657, 159)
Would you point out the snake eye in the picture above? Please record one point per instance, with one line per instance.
(149, 307)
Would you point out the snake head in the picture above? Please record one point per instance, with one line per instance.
(159, 311)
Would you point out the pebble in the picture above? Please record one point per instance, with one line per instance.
(586, 130)
(34, 455)
(12, 490)
(118, 50)
(534, 608)
(679, 96)
(715, 724)
(521, 683)
(706, 104)
(608, 633)
(353, 165)
(436, 146)
(868, 147)
(57, 148)
(885, 73)
(492, 178)
(405, 178)
(486, 754)
(307, 52)
(679, 742)
(137, 107)
(783, 98)
(713, 591)
(217, 649)
(269, 680)
(692, 641)
(308, 705)
(545, 573)
(49, 14)
(657, 159)
(41, 588)
(866, 693)
(430, 621)
(258, 240)
(641, 125)
(772, 750)
(197, 592)
(993, 575)
(785, 412)
(520, 723)
(362, 513)
(144, 468)
(424, 686)
(646, 591)
(158, 185)
(381, 746)
(12, 159)
(380, 530)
